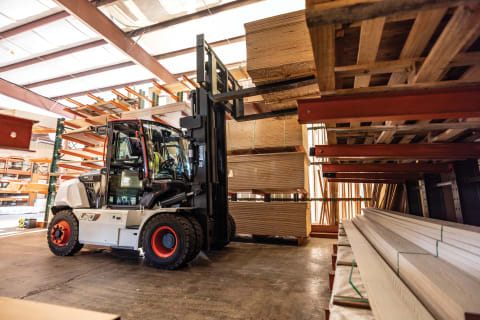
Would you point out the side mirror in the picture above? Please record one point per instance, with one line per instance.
(101, 130)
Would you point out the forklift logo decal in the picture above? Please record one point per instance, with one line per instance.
(90, 216)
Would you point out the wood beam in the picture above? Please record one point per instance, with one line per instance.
(96, 20)
(118, 93)
(407, 105)
(460, 30)
(138, 95)
(370, 36)
(162, 88)
(422, 31)
(19, 93)
(348, 11)
(408, 128)
(388, 167)
(400, 151)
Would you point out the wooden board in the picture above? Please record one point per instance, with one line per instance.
(268, 172)
(279, 48)
(389, 297)
(271, 218)
(29, 310)
(446, 291)
(265, 133)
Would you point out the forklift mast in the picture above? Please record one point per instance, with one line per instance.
(206, 129)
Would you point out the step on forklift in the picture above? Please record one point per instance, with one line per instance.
(162, 190)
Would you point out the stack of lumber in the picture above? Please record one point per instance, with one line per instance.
(268, 172)
(279, 48)
(271, 218)
(264, 160)
(430, 266)
(265, 134)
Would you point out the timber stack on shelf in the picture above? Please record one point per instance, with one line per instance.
(274, 57)
(412, 267)
(22, 180)
(267, 159)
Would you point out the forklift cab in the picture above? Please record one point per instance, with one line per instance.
(146, 162)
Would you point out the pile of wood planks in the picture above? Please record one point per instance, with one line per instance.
(268, 172)
(271, 218)
(265, 135)
(267, 157)
(438, 261)
(278, 49)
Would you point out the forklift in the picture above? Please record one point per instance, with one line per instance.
(162, 190)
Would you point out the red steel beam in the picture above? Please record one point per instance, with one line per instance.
(388, 167)
(139, 31)
(95, 19)
(386, 181)
(16, 92)
(444, 103)
(129, 63)
(373, 175)
(399, 151)
(33, 24)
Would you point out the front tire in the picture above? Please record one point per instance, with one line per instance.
(62, 234)
(168, 241)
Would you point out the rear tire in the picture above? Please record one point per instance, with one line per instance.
(62, 234)
(199, 238)
(168, 240)
(231, 231)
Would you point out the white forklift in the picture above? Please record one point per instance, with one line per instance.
(162, 189)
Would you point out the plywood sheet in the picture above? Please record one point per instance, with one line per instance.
(271, 218)
(269, 172)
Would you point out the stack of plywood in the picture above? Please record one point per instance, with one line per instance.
(279, 48)
(281, 172)
(265, 134)
(268, 172)
(271, 218)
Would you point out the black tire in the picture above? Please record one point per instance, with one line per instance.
(231, 231)
(63, 223)
(199, 237)
(232, 227)
(179, 235)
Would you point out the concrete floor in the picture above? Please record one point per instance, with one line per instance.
(243, 281)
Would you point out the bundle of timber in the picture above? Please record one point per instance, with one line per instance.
(265, 134)
(268, 172)
(271, 218)
(279, 48)
(438, 261)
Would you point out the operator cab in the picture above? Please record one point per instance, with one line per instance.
(146, 163)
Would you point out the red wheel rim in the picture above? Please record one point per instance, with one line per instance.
(60, 233)
(164, 241)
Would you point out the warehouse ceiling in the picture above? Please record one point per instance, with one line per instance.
(26, 57)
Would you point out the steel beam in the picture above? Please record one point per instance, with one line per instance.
(373, 175)
(461, 102)
(155, 27)
(386, 181)
(33, 24)
(96, 20)
(399, 151)
(388, 167)
(16, 92)
(128, 63)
